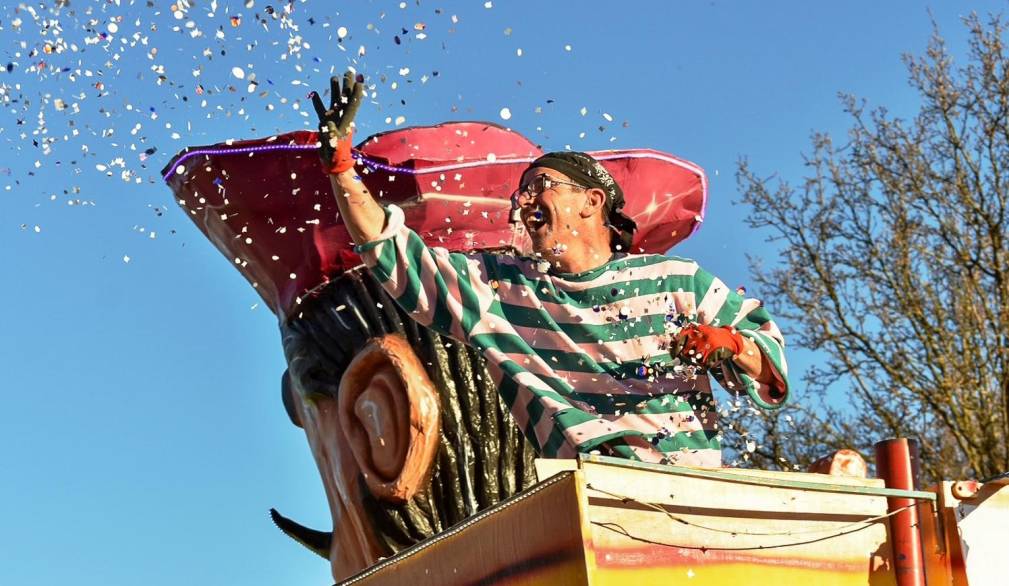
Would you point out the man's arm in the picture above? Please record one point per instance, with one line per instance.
(736, 340)
(448, 292)
(362, 215)
(756, 365)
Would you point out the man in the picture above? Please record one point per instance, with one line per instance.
(592, 348)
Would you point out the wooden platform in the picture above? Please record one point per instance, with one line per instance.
(603, 521)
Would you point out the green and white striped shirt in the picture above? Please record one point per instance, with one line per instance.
(582, 360)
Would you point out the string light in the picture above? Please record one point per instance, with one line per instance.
(837, 531)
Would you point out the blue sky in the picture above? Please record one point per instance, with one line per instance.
(142, 437)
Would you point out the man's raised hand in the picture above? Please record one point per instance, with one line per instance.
(335, 122)
(706, 345)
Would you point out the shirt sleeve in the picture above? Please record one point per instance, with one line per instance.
(446, 291)
(718, 305)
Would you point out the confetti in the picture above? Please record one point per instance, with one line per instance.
(238, 72)
(505, 114)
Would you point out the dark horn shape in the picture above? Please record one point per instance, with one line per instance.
(318, 542)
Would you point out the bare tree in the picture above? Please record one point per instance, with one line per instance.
(894, 264)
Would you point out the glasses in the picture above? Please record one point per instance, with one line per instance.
(538, 185)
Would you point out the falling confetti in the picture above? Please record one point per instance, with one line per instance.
(505, 114)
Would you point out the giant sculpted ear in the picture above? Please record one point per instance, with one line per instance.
(389, 412)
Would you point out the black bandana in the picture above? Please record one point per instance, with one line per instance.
(586, 171)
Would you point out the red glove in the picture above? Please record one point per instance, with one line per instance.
(707, 345)
(341, 159)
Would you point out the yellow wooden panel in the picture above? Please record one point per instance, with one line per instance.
(649, 527)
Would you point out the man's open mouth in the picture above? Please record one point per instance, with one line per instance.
(535, 220)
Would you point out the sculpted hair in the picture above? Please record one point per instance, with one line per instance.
(482, 456)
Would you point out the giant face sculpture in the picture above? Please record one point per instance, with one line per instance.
(408, 432)
(409, 435)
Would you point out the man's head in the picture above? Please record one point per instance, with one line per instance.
(571, 207)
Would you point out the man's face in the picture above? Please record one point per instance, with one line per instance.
(550, 205)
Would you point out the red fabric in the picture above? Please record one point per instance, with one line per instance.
(698, 342)
(255, 204)
(342, 157)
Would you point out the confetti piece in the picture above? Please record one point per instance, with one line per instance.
(238, 72)
(341, 32)
(505, 113)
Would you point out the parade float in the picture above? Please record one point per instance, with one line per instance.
(427, 477)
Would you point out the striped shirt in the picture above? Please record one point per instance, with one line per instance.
(582, 360)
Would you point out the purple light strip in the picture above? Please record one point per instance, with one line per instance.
(288, 147)
(238, 151)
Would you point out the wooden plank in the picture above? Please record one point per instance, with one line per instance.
(535, 537)
(800, 480)
(650, 527)
(934, 549)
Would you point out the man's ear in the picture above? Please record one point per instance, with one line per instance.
(389, 412)
(595, 200)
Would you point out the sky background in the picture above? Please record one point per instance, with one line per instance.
(142, 437)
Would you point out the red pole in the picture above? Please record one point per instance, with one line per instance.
(897, 465)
